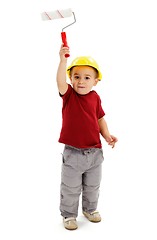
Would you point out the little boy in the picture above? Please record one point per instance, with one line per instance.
(82, 123)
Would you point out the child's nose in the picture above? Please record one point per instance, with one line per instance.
(81, 80)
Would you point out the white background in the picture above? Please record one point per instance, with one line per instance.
(121, 36)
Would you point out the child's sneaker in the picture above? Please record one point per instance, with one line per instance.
(93, 217)
(70, 223)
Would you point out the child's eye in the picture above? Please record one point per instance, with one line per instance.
(87, 78)
(76, 77)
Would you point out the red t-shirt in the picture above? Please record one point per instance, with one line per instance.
(80, 114)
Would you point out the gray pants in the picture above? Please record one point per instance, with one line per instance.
(81, 172)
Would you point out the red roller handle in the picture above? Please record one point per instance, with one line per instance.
(65, 44)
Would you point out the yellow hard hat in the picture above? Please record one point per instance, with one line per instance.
(85, 61)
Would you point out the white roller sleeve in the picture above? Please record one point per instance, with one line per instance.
(56, 14)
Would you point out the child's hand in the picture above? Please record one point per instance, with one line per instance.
(63, 51)
(111, 140)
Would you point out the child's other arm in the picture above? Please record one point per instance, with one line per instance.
(110, 139)
(61, 72)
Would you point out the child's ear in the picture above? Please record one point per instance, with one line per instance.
(96, 81)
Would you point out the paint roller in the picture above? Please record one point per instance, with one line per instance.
(63, 13)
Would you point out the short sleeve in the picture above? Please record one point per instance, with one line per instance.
(68, 92)
(100, 111)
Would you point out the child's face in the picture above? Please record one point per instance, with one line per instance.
(83, 78)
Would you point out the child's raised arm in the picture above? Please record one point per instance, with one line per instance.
(61, 72)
